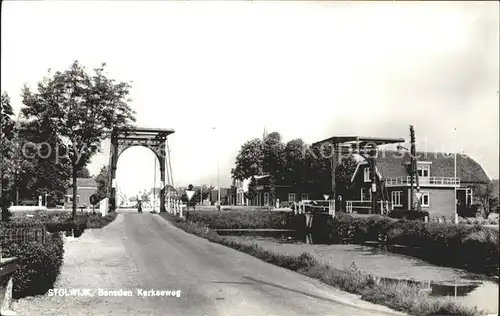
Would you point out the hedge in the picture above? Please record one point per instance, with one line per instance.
(242, 219)
(38, 267)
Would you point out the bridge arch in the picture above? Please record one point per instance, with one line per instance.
(152, 138)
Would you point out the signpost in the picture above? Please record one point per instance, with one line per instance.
(189, 193)
(93, 200)
(418, 195)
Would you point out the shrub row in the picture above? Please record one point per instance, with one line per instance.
(475, 248)
(38, 267)
(242, 219)
(57, 221)
(400, 296)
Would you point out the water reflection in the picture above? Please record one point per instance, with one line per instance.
(470, 293)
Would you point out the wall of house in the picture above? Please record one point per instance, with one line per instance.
(441, 202)
(83, 196)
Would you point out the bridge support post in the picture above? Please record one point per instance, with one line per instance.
(309, 220)
(161, 159)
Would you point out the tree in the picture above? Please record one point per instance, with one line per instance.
(6, 149)
(84, 173)
(81, 109)
(250, 194)
(145, 197)
(343, 175)
(486, 194)
(249, 160)
(273, 161)
(295, 164)
(318, 171)
(40, 170)
(102, 180)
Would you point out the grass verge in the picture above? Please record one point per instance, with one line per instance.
(399, 296)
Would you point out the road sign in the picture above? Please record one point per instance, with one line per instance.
(418, 195)
(326, 196)
(190, 194)
(94, 199)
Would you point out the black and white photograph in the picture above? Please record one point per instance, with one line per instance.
(249, 158)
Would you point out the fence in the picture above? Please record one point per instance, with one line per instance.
(385, 207)
(10, 234)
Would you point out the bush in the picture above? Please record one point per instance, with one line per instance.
(38, 267)
(409, 214)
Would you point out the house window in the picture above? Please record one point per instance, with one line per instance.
(367, 174)
(291, 197)
(304, 196)
(396, 198)
(425, 200)
(423, 170)
(366, 194)
(266, 199)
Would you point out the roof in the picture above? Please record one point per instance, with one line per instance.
(392, 164)
(359, 141)
(496, 188)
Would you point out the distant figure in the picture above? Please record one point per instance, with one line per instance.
(139, 206)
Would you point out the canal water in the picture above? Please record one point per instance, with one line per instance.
(469, 289)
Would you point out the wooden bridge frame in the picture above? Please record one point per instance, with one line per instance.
(366, 147)
(153, 138)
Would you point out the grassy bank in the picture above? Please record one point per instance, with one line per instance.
(62, 220)
(473, 248)
(398, 296)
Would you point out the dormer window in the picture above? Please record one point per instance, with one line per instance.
(367, 174)
(424, 170)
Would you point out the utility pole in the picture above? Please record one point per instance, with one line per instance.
(412, 167)
(454, 180)
(413, 152)
(373, 174)
(218, 172)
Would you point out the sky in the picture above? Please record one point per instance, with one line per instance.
(307, 70)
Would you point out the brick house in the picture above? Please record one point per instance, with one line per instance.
(436, 180)
(85, 188)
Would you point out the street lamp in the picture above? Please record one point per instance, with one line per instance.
(218, 172)
(455, 178)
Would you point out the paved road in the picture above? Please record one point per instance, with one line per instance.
(145, 251)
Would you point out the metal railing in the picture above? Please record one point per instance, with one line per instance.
(314, 206)
(384, 206)
(423, 181)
